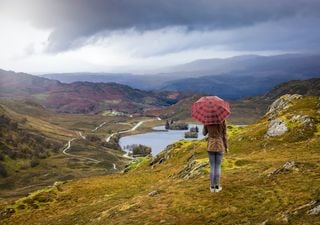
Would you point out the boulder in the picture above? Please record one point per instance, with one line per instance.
(277, 127)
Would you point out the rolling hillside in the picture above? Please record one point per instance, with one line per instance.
(246, 110)
(82, 97)
(265, 180)
(33, 141)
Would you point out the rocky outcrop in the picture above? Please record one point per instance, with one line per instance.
(280, 104)
(164, 155)
(311, 208)
(192, 169)
(276, 127)
(303, 120)
(288, 166)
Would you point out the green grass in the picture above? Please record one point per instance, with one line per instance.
(36, 199)
(249, 195)
(139, 161)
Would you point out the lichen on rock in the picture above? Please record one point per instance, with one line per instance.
(303, 120)
(280, 104)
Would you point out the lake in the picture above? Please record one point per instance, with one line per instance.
(158, 139)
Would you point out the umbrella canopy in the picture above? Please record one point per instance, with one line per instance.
(210, 110)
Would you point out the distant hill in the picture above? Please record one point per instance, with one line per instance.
(144, 82)
(303, 87)
(82, 97)
(285, 63)
(231, 78)
(22, 84)
(246, 110)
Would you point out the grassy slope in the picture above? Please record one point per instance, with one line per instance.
(59, 128)
(249, 196)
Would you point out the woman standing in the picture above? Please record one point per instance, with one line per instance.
(217, 145)
(212, 111)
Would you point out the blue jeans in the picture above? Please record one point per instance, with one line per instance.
(215, 159)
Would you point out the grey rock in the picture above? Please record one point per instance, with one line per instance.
(7, 212)
(192, 169)
(277, 127)
(295, 118)
(264, 222)
(290, 165)
(304, 120)
(153, 193)
(314, 211)
(57, 183)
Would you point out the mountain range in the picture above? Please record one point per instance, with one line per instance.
(230, 78)
(82, 97)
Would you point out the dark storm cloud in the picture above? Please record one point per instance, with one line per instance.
(74, 20)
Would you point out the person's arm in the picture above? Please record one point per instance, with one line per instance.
(205, 130)
(225, 137)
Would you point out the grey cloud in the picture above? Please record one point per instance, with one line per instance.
(71, 20)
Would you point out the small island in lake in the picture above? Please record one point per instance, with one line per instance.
(138, 150)
(193, 133)
(190, 134)
(173, 125)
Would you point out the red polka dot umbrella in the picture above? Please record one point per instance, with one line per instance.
(210, 110)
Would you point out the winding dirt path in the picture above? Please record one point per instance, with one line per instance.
(68, 145)
(98, 127)
(64, 151)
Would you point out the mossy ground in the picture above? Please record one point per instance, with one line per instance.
(249, 195)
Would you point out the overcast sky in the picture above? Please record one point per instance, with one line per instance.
(41, 36)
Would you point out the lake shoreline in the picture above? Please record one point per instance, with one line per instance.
(159, 138)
